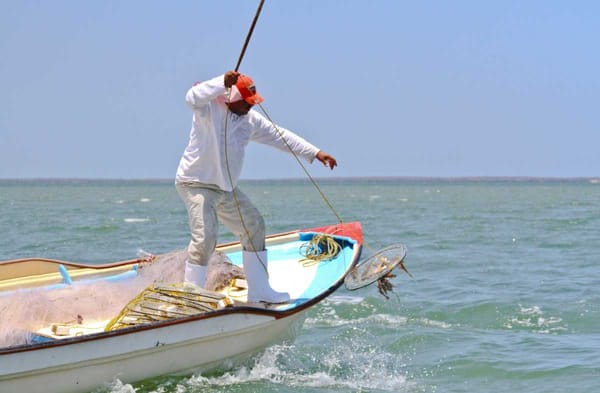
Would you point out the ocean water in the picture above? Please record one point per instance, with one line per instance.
(505, 295)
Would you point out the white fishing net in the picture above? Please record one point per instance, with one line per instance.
(26, 311)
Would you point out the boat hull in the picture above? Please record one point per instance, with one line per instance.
(193, 346)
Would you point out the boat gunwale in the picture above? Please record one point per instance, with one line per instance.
(107, 265)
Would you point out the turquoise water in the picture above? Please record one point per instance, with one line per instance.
(505, 295)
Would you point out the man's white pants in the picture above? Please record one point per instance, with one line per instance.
(207, 205)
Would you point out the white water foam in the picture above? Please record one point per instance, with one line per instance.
(133, 220)
(344, 299)
(432, 323)
(117, 386)
(328, 317)
(379, 319)
(364, 371)
(533, 318)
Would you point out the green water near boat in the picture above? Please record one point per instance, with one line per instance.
(505, 295)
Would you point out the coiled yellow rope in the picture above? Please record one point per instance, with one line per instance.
(320, 248)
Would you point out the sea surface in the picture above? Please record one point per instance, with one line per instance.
(505, 295)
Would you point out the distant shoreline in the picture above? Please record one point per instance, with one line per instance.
(416, 179)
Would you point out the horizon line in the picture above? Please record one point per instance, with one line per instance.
(592, 179)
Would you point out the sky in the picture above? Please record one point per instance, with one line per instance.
(95, 89)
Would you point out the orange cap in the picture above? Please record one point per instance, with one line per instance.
(245, 86)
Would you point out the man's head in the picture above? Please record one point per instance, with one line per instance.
(243, 96)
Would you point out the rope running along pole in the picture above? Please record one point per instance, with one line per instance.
(233, 192)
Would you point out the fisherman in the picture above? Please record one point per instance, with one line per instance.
(223, 123)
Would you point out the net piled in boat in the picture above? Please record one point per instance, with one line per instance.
(161, 302)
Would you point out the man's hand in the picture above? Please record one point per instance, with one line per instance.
(231, 78)
(326, 159)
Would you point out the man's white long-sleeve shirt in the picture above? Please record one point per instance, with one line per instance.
(204, 159)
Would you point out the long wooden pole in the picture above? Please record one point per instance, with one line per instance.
(249, 35)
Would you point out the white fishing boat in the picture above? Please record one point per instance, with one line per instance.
(84, 354)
